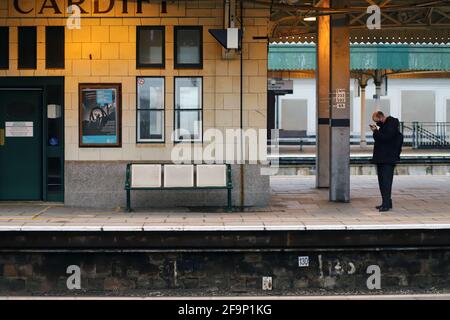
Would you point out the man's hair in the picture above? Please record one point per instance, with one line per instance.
(380, 114)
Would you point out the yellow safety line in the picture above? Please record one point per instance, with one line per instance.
(40, 212)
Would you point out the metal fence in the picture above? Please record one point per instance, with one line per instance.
(426, 135)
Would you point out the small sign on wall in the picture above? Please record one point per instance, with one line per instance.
(19, 129)
(280, 87)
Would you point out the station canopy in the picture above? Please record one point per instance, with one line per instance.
(414, 35)
(365, 56)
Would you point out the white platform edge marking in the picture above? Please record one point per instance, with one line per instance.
(182, 227)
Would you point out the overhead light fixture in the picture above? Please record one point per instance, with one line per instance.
(309, 19)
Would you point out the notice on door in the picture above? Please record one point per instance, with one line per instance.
(19, 129)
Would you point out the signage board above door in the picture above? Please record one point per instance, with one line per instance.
(280, 87)
(95, 7)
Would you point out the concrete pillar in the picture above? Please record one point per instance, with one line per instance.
(363, 140)
(340, 106)
(323, 100)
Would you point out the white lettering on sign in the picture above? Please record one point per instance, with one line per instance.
(280, 85)
(340, 98)
(19, 129)
(303, 261)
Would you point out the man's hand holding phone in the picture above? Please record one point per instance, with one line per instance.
(373, 127)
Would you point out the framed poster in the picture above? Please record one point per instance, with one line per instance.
(100, 107)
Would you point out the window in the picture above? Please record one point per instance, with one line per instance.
(150, 109)
(418, 105)
(448, 111)
(150, 47)
(4, 47)
(188, 109)
(27, 47)
(188, 52)
(54, 47)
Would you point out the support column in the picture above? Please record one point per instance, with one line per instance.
(377, 79)
(340, 106)
(323, 100)
(363, 139)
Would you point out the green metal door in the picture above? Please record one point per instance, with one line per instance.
(20, 144)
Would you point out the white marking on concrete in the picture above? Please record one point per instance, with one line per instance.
(184, 227)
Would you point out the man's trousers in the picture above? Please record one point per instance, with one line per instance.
(385, 174)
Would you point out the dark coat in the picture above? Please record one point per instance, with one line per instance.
(387, 142)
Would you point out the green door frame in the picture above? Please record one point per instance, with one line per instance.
(46, 84)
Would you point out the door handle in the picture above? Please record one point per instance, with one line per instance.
(2, 137)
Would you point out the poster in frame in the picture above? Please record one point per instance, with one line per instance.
(100, 113)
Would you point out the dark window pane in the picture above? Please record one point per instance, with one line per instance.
(150, 46)
(188, 47)
(150, 125)
(4, 47)
(27, 47)
(54, 47)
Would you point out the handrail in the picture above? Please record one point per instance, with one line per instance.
(426, 135)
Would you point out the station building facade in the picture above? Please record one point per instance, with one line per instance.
(80, 102)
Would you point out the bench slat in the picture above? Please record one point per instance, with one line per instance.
(211, 175)
(146, 176)
(178, 175)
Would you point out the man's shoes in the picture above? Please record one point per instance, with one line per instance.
(381, 206)
(384, 209)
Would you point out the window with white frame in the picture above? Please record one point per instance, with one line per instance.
(188, 109)
(150, 109)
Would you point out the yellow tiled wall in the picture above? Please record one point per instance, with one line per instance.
(104, 50)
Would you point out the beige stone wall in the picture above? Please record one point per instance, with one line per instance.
(111, 41)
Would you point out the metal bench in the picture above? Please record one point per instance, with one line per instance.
(146, 176)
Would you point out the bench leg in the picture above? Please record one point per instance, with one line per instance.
(128, 200)
(229, 201)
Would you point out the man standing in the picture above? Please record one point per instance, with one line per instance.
(386, 153)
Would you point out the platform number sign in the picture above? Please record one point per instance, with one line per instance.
(303, 261)
(340, 98)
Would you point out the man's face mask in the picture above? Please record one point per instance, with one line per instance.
(379, 123)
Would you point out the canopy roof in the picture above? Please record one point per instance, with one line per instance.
(363, 56)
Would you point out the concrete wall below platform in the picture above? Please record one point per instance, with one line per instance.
(101, 185)
(225, 273)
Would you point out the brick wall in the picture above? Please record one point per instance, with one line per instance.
(224, 273)
(103, 51)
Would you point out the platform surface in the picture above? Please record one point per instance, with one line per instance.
(420, 202)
